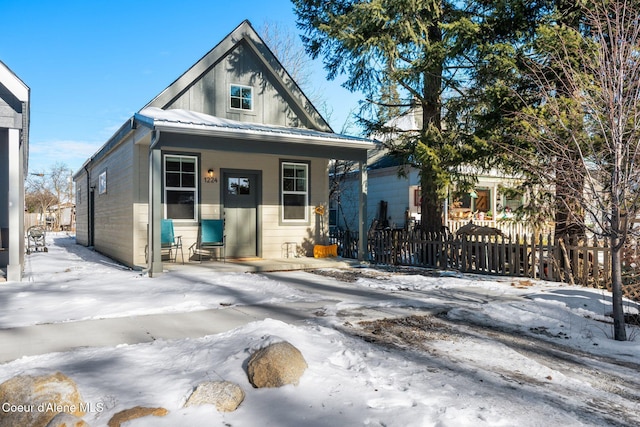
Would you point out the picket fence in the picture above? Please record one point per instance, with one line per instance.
(582, 262)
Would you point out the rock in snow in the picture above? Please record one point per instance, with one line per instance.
(276, 365)
(133, 413)
(225, 395)
(67, 420)
(34, 401)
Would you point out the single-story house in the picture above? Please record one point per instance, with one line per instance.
(14, 157)
(232, 138)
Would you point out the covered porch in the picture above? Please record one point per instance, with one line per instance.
(266, 151)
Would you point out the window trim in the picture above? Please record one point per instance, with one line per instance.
(196, 189)
(102, 182)
(307, 217)
(231, 86)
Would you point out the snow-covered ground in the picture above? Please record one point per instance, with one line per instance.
(471, 350)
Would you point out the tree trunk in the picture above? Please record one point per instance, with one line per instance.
(431, 204)
(569, 214)
(619, 330)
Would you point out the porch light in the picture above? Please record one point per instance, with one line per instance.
(211, 176)
(473, 194)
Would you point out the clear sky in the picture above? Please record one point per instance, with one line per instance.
(92, 64)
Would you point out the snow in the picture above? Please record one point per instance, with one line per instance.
(499, 352)
(195, 120)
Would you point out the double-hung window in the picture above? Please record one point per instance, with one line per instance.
(180, 187)
(295, 192)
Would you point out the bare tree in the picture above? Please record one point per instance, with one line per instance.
(38, 197)
(287, 47)
(47, 189)
(61, 183)
(598, 119)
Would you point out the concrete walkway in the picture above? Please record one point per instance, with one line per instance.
(62, 337)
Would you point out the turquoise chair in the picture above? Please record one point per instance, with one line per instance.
(211, 236)
(169, 241)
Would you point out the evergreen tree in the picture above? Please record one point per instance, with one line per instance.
(405, 56)
(508, 81)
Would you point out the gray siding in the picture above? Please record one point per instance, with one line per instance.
(10, 110)
(82, 209)
(210, 93)
(113, 209)
(4, 194)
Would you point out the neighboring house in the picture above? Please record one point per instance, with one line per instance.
(233, 137)
(14, 155)
(398, 186)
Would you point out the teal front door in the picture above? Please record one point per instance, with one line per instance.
(240, 198)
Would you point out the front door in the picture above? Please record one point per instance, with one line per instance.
(240, 198)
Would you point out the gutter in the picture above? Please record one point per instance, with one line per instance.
(116, 139)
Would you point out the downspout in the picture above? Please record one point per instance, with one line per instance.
(151, 223)
(86, 170)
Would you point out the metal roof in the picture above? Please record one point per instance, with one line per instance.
(185, 121)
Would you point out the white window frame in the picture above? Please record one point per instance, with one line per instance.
(231, 86)
(194, 189)
(284, 192)
(102, 182)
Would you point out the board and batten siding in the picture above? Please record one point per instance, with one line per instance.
(210, 93)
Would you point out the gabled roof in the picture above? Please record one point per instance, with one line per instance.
(243, 33)
(16, 94)
(13, 84)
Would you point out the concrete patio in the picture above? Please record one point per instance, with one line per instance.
(261, 265)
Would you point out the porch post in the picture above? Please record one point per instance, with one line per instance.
(363, 253)
(155, 210)
(16, 208)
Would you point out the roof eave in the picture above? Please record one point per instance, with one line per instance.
(264, 136)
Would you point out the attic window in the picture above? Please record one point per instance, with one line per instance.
(242, 97)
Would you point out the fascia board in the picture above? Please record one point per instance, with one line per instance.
(263, 136)
(13, 83)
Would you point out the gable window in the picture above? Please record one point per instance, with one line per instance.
(180, 187)
(241, 97)
(295, 192)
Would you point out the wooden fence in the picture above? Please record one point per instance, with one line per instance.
(507, 226)
(584, 262)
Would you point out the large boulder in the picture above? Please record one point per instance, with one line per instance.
(35, 400)
(133, 413)
(225, 395)
(276, 365)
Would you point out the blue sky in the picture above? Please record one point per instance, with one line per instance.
(92, 64)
